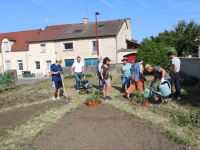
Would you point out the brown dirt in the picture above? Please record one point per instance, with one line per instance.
(102, 128)
(17, 115)
(21, 98)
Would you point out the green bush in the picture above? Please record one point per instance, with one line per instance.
(155, 54)
(5, 78)
(96, 96)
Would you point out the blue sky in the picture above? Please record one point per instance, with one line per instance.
(148, 17)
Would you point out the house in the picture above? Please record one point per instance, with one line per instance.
(114, 38)
(14, 50)
(39, 48)
(42, 49)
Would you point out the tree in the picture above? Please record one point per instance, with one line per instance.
(155, 53)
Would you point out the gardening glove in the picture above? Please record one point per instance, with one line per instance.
(162, 80)
(103, 81)
(110, 77)
(59, 72)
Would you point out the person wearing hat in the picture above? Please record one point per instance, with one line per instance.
(137, 78)
(159, 73)
(105, 78)
(126, 67)
(55, 71)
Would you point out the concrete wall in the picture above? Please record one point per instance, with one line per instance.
(114, 69)
(190, 66)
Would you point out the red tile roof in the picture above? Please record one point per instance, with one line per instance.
(49, 33)
(20, 38)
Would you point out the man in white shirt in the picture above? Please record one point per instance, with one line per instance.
(78, 70)
(98, 69)
(176, 63)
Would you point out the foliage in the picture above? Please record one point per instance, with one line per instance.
(88, 75)
(155, 54)
(96, 96)
(185, 119)
(184, 38)
(69, 77)
(5, 78)
(138, 97)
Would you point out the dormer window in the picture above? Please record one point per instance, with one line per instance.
(100, 26)
(6, 47)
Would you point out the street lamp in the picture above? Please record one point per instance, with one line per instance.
(97, 13)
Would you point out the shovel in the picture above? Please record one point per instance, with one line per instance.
(67, 101)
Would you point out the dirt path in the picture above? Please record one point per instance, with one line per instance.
(102, 128)
(14, 116)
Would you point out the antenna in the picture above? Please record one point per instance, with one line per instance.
(48, 20)
(88, 10)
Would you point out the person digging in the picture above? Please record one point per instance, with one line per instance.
(137, 78)
(161, 74)
(55, 71)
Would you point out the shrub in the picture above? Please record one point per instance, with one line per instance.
(155, 54)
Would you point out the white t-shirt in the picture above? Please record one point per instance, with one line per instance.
(176, 61)
(77, 66)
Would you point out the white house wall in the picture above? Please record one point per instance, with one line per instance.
(35, 54)
(83, 48)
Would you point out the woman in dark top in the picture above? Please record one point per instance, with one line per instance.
(105, 78)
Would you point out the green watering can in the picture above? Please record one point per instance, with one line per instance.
(165, 90)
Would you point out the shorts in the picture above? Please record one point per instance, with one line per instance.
(107, 81)
(56, 84)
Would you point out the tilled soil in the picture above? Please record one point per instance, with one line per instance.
(102, 128)
(17, 115)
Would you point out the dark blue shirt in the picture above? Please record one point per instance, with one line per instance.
(55, 68)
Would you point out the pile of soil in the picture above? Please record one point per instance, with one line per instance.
(101, 128)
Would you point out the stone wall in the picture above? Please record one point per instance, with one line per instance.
(190, 66)
(114, 69)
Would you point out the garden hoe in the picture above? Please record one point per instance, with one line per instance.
(67, 101)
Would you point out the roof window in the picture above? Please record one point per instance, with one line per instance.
(100, 26)
(73, 31)
(55, 29)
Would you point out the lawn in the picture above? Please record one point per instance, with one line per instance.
(179, 120)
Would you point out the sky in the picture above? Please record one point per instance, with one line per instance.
(148, 17)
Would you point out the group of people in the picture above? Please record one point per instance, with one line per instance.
(132, 75)
(137, 78)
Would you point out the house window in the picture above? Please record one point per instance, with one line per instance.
(48, 64)
(73, 31)
(69, 62)
(68, 46)
(8, 66)
(94, 46)
(91, 62)
(37, 65)
(43, 48)
(20, 64)
(6, 47)
(100, 26)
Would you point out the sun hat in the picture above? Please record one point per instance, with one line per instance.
(124, 58)
(147, 66)
(59, 59)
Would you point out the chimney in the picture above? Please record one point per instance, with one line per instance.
(85, 20)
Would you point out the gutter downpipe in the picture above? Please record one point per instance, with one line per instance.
(116, 49)
(26, 61)
(2, 60)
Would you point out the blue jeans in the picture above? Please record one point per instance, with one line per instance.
(125, 81)
(79, 75)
